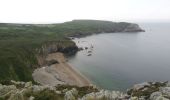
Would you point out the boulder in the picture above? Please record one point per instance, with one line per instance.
(17, 96)
(140, 86)
(145, 89)
(28, 84)
(165, 91)
(71, 95)
(31, 98)
(155, 95)
(7, 90)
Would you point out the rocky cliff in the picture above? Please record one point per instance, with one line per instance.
(66, 47)
(133, 28)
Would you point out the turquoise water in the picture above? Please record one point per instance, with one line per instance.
(120, 60)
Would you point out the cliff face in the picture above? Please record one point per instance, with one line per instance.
(133, 28)
(66, 47)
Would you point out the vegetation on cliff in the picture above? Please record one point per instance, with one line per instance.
(20, 44)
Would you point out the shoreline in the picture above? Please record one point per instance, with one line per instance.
(59, 73)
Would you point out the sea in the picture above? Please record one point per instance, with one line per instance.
(117, 61)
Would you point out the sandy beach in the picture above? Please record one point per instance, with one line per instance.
(59, 73)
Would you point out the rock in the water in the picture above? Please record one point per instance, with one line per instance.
(80, 49)
(89, 54)
(89, 51)
(86, 48)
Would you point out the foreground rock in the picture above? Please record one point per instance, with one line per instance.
(27, 91)
(151, 91)
(104, 95)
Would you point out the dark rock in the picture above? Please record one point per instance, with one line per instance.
(89, 54)
(67, 47)
(69, 50)
(51, 62)
(89, 51)
(81, 49)
(86, 48)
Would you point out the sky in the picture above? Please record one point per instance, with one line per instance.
(56, 11)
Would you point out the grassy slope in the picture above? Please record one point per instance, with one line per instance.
(19, 41)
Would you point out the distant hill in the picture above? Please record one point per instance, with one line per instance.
(85, 27)
(75, 27)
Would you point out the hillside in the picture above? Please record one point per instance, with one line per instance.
(22, 44)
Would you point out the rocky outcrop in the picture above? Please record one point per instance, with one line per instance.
(150, 91)
(133, 28)
(71, 95)
(143, 91)
(67, 47)
(28, 91)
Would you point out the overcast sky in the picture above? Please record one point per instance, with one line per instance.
(52, 11)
